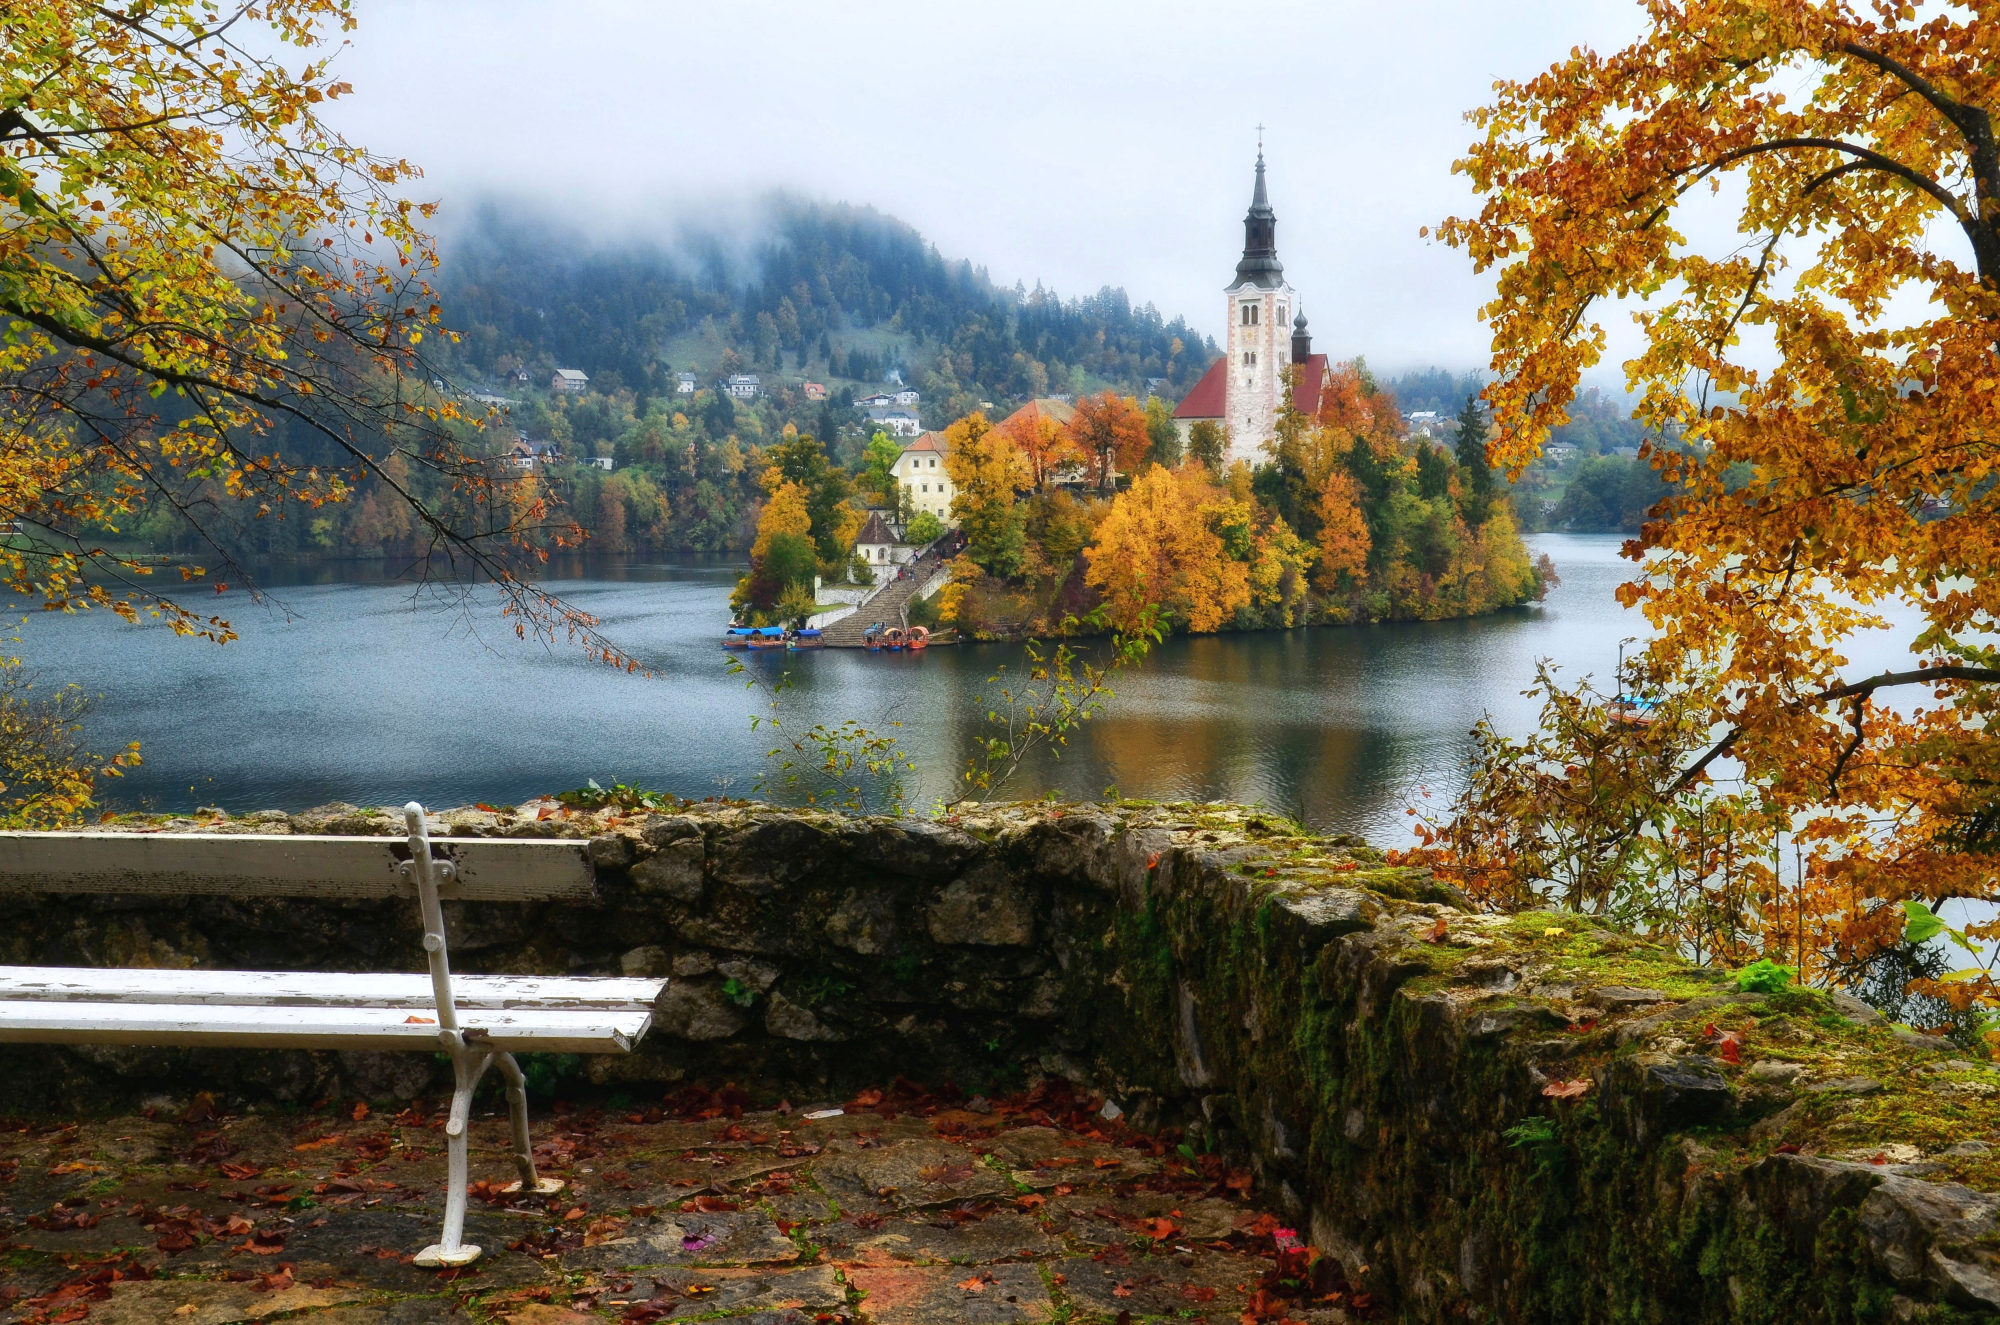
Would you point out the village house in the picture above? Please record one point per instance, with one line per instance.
(743, 386)
(570, 380)
(878, 545)
(895, 422)
(815, 390)
(921, 472)
(907, 397)
(880, 400)
(686, 384)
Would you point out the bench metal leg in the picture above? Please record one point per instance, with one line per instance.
(517, 1114)
(468, 1065)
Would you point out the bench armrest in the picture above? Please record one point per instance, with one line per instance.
(427, 871)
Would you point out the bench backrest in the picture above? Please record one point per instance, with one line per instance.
(273, 865)
(485, 869)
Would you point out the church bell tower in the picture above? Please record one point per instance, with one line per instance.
(1259, 338)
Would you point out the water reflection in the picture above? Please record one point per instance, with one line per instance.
(362, 690)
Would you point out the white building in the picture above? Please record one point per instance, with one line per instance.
(686, 383)
(907, 397)
(569, 379)
(920, 470)
(878, 545)
(743, 386)
(880, 400)
(895, 422)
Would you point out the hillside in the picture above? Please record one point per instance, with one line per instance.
(837, 293)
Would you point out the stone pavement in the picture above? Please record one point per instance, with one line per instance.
(900, 1210)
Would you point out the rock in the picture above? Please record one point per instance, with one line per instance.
(789, 1021)
(650, 960)
(387, 1076)
(661, 829)
(1852, 1008)
(1969, 1149)
(693, 962)
(764, 857)
(1910, 1039)
(1939, 1235)
(674, 870)
(1776, 1071)
(1618, 998)
(756, 975)
(698, 1010)
(611, 851)
(987, 907)
(1325, 914)
(864, 922)
(1686, 1091)
(1846, 1086)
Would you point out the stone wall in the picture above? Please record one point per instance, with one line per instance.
(1527, 1118)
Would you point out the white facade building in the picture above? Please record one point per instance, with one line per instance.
(920, 470)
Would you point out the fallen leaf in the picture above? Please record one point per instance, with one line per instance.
(414, 1020)
(1567, 1090)
(360, 1110)
(1436, 933)
(977, 1283)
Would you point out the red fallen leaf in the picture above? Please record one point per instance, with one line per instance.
(321, 1144)
(1878, 1159)
(240, 1172)
(1238, 1181)
(1436, 933)
(1582, 1027)
(419, 1021)
(1122, 1290)
(1103, 1162)
(490, 809)
(1159, 1230)
(1732, 1052)
(710, 1205)
(268, 1243)
(1197, 1292)
(1788, 1148)
(977, 1283)
(867, 1099)
(360, 1110)
(237, 1226)
(1567, 1090)
(1271, 873)
(1031, 1200)
(275, 1282)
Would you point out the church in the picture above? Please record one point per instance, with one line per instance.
(1244, 390)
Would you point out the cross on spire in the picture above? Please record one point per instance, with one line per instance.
(1260, 138)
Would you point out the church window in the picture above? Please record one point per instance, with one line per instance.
(1250, 315)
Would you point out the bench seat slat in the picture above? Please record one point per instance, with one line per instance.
(79, 984)
(185, 1025)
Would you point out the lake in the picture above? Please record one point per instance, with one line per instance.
(346, 687)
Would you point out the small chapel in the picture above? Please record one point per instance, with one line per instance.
(1244, 390)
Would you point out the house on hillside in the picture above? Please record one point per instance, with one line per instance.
(814, 391)
(1059, 411)
(921, 472)
(686, 383)
(896, 422)
(743, 386)
(907, 397)
(880, 400)
(570, 380)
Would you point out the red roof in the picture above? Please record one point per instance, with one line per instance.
(927, 441)
(1312, 382)
(1206, 400)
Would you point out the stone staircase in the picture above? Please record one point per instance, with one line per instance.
(887, 606)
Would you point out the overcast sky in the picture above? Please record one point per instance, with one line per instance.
(1081, 143)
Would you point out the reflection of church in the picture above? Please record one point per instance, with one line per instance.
(1244, 389)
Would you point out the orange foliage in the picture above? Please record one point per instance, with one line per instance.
(1110, 430)
(1043, 444)
(1343, 534)
(1859, 469)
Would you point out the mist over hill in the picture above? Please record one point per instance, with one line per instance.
(797, 289)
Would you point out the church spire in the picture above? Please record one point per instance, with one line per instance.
(1260, 265)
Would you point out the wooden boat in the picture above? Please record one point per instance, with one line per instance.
(1634, 709)
(916, 637)
(807, 639)
(768, 637)
(871, 639)
(893, 637)
(738, 637)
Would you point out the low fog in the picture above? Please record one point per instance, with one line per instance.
(1079, 145)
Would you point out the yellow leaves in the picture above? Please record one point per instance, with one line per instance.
(1158, 548)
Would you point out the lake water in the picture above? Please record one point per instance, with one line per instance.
(369, 693)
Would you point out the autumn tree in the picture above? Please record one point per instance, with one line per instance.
(1469, 446)
(1110, 430)
(802, 462)
(193, 262)
(1043, 444)
(1832, 370)
(784, 556)
(1164, 433)
(1207, 444)
(1161, 552)
(1344, 540)
(987, 473)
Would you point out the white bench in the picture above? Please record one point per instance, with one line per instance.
(481, 1021)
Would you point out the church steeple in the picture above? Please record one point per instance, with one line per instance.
(1302, 341)
(1260, 265)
